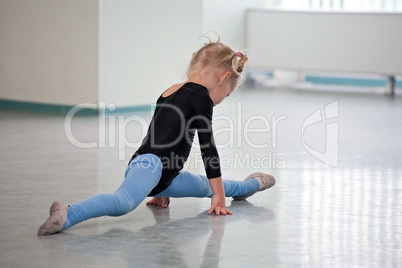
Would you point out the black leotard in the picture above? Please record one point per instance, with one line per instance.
(171, 133)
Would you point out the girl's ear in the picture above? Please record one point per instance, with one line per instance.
(224, 76)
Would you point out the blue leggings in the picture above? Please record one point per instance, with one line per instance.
(142, 175)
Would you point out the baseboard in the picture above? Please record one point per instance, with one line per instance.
(58, 109)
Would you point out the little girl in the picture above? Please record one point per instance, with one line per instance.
(156, 167)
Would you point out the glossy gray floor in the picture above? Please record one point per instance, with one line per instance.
(337, 201)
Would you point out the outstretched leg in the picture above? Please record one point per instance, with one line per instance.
(142, 175)
(187, 184)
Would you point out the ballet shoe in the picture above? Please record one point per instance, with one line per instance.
(57, 218)
(265, 181)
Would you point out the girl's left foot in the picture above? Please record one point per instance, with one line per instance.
(159, 201)
(56, 220)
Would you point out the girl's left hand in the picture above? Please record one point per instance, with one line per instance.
(159, 201)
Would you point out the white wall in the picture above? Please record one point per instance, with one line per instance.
(145, 47)
(326, 41)
(48, 51)
(227, 17)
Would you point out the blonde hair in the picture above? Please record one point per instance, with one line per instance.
(216, 54)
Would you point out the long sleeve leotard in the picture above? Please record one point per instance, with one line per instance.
(172, 129)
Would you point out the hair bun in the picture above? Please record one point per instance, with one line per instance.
(242, 61)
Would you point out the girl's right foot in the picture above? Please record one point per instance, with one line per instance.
(56, 220)
(265, 181)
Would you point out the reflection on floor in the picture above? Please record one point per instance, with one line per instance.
(337, 159)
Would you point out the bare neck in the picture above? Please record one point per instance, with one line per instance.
(204, 78)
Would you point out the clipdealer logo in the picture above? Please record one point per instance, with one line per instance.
(235, 134)
(331, 154)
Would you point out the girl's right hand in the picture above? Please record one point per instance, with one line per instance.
(218, 206)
